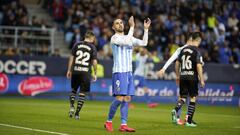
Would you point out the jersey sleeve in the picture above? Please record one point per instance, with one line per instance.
(74, 49)
(131, 31)
(179, 57)
(199, 58)
(173, 57)
(94, 53)
(122, 40)
(139, 42)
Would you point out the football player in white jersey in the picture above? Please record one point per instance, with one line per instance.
(122, 78)
(140, 72)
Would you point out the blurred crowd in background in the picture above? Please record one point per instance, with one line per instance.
(14, 13)
(172, 21)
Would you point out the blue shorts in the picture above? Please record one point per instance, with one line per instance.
(122, 84)
(139, 81)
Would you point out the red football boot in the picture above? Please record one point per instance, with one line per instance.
(108, 126)
(125, 128)
(131, 106)
(152, 105)
(180, 122)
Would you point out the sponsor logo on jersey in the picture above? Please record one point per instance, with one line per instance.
(35, 85)
(187, 73)
(4, 83)
(79, 68)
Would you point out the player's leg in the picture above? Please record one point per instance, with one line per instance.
(181, 101)
(190, 113)
(112, 111)
(193, 92)
(119, 90)
(124, 110)
(114, 106)
(81, 100)
(124, 115)
(179, 113)
(72, 95)
(188, 101)
(138, 86)
(179, 121)
(85, 84)
(142, 84)
(124, 106)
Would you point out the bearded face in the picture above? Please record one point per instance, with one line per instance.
(118, 25)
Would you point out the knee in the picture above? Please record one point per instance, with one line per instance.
(192, 99)
(74, 91)
(120, 98)
(127, 98)
(184, 99)
(82, 94)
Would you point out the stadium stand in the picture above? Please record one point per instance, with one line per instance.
(22, 34)
(172, 20)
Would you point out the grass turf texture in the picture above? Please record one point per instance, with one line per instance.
(52, 115)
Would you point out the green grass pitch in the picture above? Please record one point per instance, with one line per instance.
(51, 115)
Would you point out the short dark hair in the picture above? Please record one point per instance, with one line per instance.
(196, 35)
(115, 20)
(89, 34)
(189, 35)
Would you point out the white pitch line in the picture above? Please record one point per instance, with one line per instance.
(236, 127)
(32, 129)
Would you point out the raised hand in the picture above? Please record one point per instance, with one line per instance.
(147, 23)
(131, 21)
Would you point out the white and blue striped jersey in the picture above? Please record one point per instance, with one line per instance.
(122, 47)
(141, 61)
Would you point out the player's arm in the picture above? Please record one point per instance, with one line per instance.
(94, 63)
(131, 25)
(121, 40)
(69, 71)
(200, 74)
(139, 42)
(144, 41)
(200, 69)
(170, 61)
(177, 70)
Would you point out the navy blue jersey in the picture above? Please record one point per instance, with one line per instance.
(83, 53)
(189, 57)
